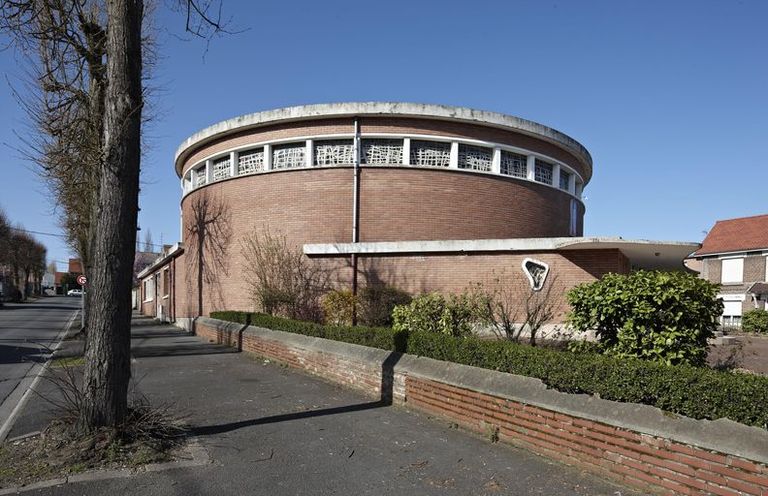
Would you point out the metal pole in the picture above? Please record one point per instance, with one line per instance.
(82, 309)
(355, 214)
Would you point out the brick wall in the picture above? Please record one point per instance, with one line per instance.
(711, 460)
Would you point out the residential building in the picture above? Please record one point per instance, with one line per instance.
(734, 255)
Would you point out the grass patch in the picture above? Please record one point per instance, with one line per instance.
(68, 362)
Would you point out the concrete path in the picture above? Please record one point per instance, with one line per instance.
(270, 430)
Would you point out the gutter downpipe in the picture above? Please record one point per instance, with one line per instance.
(355, 214)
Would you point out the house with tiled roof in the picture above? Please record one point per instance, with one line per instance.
(734, 254)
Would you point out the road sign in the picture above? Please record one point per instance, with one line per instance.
(81, 280)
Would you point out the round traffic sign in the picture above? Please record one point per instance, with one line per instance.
(81, 280)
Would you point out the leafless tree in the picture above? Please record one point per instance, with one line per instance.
(208, 235)
(91, 67)
(514, 309)
(280, 279)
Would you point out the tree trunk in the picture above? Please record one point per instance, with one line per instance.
(107, 366)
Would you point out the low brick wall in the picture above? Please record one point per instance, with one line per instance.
(637, 445)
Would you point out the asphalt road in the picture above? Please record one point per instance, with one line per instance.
(27, 332)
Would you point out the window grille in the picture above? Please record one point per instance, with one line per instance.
(382, 151)
(565, 178)
(221, 168)
(250, 161)
(514, 164)
(200, 178)
(289, 156)
(544, 171)
(430, 153)
(475, 158)
(536, 271)
(338, 152)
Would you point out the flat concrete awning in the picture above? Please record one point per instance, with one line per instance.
(642, 254)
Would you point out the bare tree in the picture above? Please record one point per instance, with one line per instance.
(91, 87)
(280, 279)
(514, 309)
(208, 235)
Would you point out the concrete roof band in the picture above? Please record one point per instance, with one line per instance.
(642, 253)
(393, 109)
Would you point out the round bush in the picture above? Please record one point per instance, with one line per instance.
(660, 316)
(755, 321)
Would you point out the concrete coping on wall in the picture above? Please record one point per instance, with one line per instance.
(390, 109)
(642, 253)
(722, 435)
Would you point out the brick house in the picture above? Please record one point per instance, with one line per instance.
(734, 255)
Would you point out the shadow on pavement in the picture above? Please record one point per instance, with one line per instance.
(147, 334)
(233, 426)
(32, 306)
(23, 354)
(387, 389)
(180, 350)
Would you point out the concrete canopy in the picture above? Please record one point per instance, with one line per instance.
(642, 254)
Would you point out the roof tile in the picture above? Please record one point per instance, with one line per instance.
(732, 235)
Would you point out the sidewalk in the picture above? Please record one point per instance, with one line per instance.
(270, 430)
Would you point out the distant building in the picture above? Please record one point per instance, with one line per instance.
(734, 255)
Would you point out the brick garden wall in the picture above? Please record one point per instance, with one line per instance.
(635, 444)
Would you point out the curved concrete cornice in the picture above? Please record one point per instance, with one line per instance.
(399, 109)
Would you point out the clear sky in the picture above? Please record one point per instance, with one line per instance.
(670, 98)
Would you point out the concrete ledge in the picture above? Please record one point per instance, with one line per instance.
(722, 435)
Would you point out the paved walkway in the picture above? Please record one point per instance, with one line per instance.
(270, 430)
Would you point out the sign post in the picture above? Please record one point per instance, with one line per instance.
(81, 280)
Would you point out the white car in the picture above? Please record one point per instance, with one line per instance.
(75, 292)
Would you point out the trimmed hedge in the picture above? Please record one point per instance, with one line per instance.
(695, 392)
(375, 337)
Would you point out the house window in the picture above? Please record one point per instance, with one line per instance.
(514, 164)
(544, 171)
(166, 282)
(732, 270)
(338, 152)
(149, 289)
(731, 313)
(382, 151)
(475, 158)
(565, 178)
(430, 153)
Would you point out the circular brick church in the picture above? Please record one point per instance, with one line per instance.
(426, 172)
(420, 197)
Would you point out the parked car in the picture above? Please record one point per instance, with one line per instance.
(75, 292)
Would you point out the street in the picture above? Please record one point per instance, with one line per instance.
(27, 332)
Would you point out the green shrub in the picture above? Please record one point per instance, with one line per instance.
(755, 321)
(453, 315)
(339, 306)
(695, 392)
(378, 302)
(660, 316)
(375, 337)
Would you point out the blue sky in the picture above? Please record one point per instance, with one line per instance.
(671, 98)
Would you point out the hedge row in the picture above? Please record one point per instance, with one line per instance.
(695, 392)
